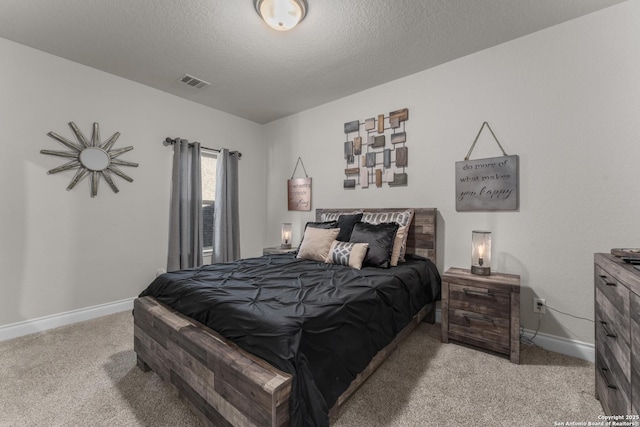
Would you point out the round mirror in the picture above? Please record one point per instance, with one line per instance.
(95, 159)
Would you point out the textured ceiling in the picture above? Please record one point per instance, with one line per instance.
(341, 47)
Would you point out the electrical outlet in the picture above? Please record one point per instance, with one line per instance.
(539, 305)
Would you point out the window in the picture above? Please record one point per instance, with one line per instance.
(208, 172)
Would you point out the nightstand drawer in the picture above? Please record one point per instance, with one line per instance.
(479, 300)
(479, 326)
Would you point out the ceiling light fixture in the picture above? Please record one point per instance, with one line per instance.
(281, 15)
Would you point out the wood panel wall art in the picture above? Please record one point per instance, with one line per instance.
(375, 151)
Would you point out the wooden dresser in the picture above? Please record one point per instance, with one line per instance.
(617, 335)
(483, 311)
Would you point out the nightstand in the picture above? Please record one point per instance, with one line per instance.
(277, 250)
(483, 311)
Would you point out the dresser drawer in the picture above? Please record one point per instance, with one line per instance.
(634, 308)
(612, 328)
(480, 300)
(612, 387)
(612, 290)
(615, 351)
(479, 326)
(612, 322)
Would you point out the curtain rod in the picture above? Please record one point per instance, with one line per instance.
(169, 141)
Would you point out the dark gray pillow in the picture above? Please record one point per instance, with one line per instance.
(327, 224)
(380, 238)
(346, 223)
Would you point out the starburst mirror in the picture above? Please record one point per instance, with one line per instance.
(91, 158)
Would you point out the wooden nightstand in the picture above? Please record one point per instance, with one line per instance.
(483, 311)
(277, 250)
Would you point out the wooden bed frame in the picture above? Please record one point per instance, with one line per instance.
(227, 386)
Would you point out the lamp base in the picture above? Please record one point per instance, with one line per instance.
(287, 246)
(482, 271)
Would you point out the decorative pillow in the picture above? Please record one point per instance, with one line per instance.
(346, 223)
(380, 238)
(325, 224)
(333, 216)
(400, 240)
(403, 218)
(316, 243)
(347, 253)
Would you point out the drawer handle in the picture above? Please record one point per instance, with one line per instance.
(606, 281)
(479, 318)
(480, 294)
(606, 331)
(604, 371)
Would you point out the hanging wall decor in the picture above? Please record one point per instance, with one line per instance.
(299, 190)
(375, 151)
(487, 184)
(91, 158)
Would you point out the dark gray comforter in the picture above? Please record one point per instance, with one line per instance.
(322, 323)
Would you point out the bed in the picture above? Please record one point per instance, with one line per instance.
(299, 377)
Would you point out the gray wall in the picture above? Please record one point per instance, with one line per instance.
(61, 250)
(566, 100)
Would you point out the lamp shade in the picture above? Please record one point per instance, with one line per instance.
(281, 15)
(481, 252)
(285, 242)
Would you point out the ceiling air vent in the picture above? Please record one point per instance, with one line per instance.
(194, 81)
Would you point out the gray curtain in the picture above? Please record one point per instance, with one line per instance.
(185, 216)
(226, 226)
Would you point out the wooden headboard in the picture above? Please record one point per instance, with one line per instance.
(422, 231)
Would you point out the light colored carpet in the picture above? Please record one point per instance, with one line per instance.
(86, 375)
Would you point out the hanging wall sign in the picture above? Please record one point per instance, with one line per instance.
(487, 184)
(299, 191)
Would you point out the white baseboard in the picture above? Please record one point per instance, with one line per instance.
(14, 330)
(573, 348)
